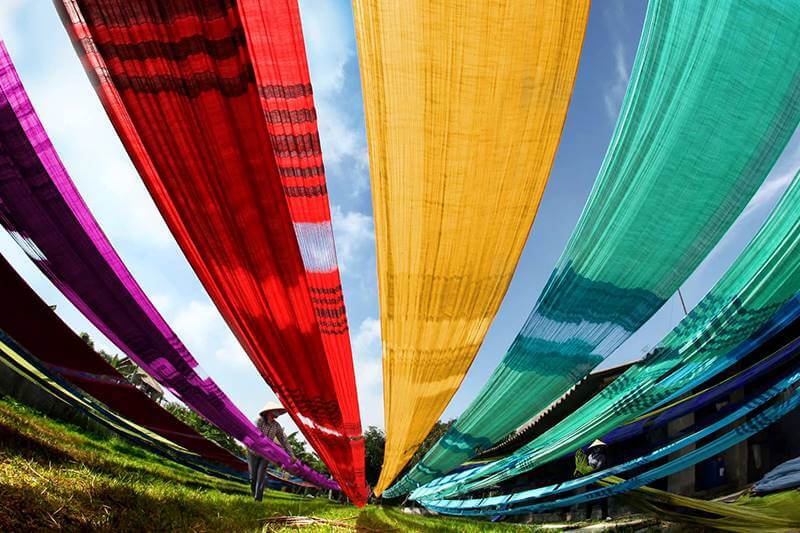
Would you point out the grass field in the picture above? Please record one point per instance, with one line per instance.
(57, 476)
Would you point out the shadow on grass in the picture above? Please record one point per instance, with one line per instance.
(100, 504)
(35, 448)
(30, 448)
(116, 507)
(394, 519)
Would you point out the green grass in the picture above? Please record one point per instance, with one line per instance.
(57, 476)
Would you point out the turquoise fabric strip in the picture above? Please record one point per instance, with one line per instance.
(551, 490)
(736, 435)
(753, 301)
(713, 99)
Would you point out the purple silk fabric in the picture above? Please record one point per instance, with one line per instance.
(43, 211)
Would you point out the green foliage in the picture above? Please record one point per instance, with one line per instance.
(374, 443)
(436, 433)
(114, 360)
(205, 428)
(57, 476)
(302, 453)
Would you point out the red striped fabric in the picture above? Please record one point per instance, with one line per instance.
(213, 102)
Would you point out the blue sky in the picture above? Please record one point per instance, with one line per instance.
(103, 173)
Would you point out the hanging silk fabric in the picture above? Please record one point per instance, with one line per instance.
(213, 103)
(30, 322)
(713, 99)
(756, 299)
(777, 513)
(723, 419)
(47, 383)
(733, 436)
(689, 404)
(43, 211)
(465, 103)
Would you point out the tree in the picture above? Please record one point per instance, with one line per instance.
(374, 443)
(204, 427)
(130, 371)
(309, 458)
(114, 360)
(436, 433)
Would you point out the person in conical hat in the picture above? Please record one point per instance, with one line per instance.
(598, 460)
(272, 408)
(271, 429)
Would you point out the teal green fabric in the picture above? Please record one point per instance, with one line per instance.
(730, 438)
(756, 298)
(661, 452)
(713, 99)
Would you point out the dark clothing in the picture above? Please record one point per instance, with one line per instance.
(274, 432)
(598, 461)
(597, 458)
(603, 502)
(256, 464)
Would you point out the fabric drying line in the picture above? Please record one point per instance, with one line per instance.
(722, 419)
(755, 300)
(730, 438)
(31, 323)
(662, 416)
(694, 402)
(460, 145)
(713, 99)
(182, 83)
(43, 211)
(29, 368)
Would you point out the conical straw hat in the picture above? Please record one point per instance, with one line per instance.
(597, 443)
(274, 407)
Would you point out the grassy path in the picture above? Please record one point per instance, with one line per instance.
(55, 476)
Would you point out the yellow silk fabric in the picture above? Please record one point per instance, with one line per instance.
(465, 102)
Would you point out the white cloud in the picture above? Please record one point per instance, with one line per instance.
(9, 11)
(340, 140)
(107, 178)
(196, 323)
(778, 179)
(760, 205)
(330, 46)
(230, 351)
(203, 330)
(354, 235)
(769, 191)
(369, 371)
(324, 28)
(615, 90)
(163, 302)
(74, 119)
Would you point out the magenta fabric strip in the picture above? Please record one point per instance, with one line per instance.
(43, 211)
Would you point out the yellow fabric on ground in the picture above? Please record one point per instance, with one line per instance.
(465, 102)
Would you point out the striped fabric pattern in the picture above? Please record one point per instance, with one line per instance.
(213, 102)
(713, 99)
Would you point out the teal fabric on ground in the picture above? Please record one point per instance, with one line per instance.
(764, 278)
(659, 453)
(732, 437)
(756, 298)
(713, 99)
